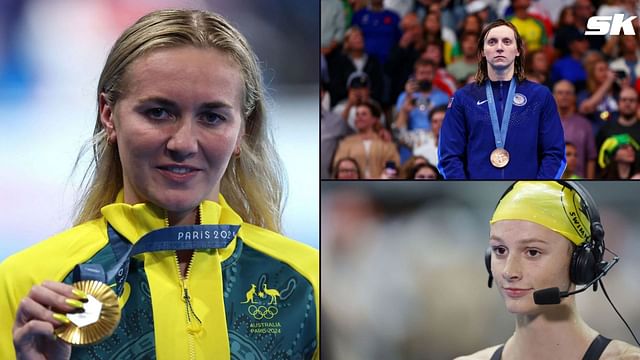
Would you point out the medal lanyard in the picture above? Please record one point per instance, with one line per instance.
(187, 237)
(500, 132)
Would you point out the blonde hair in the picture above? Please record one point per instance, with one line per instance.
(482, 73)
(253, 183)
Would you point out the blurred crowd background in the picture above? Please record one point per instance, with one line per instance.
(403, 275)
(389, 67)
(51, 55)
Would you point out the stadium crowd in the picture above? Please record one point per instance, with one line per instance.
(389, 69)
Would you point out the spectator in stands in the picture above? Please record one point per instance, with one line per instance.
(332, 25)
(571, 153)
(422, 142)
(416, 102)
(380, 29)
(429, 147)
(591, 58)
(332, 130)
(577, 130)
(366, 147)
(569, 67)
(434, 32)
(540, 11)
(466, 64)
(537, 67)
(583, 10)
(628, 60)
(482, 9)
(346, 169)
(597, 102)
(419, 97)
(442, 80)
(626, 121)
(358, 92)
(424, 7)
(531, 29)
(407, 166)
(470, 23)
(565, 28)
(450, 12)
(354, 59)
(425, 172)
(402, 57)
(617, 157)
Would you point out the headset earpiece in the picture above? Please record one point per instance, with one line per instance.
(584, 266)
(587, 258)
(487, 264)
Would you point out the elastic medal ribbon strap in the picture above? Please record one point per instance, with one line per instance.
(500, 132)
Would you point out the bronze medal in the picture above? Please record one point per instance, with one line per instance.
(100, 319)
(499, 157)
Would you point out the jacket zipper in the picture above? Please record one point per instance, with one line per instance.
(194, 324)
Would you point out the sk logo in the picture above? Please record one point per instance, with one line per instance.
(265, 309)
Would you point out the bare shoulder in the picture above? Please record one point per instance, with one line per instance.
(484, 354)
(621, 350)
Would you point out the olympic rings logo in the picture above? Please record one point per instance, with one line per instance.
(262, 312)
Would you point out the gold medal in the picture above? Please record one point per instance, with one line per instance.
(499, 157)
(98, 321)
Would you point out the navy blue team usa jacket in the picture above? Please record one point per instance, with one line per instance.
(535, 139)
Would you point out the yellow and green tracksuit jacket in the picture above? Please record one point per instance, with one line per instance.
(255, 299)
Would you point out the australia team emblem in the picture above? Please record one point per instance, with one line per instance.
(263, 304)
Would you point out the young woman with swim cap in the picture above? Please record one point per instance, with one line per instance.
(536, 230)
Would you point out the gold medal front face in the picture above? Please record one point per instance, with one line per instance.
(499, 157)
(100, 319)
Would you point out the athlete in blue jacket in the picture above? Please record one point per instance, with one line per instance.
(523, 139)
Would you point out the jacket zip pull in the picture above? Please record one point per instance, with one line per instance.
(190, 310)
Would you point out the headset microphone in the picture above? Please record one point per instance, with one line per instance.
(551, 296)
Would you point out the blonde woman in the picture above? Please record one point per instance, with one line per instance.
(181, 147)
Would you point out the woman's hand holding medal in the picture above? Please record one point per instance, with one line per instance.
(39, 313)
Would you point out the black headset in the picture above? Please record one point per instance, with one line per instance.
(586, 260)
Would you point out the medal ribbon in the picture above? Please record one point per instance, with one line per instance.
(187, 237)
(500, 132)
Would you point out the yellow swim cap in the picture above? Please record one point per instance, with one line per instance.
(547, 203)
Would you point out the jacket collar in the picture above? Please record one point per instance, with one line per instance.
(135, 220)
